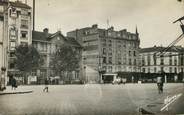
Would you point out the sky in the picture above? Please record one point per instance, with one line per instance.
(153, 18)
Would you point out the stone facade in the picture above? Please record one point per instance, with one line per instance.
(107, 52)
(16, 26)
(171, 62)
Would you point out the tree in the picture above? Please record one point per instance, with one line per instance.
(66, 59)
(27, 58)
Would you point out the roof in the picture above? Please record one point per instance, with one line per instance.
(41, 36)
(20, 5)
(72, 41)
(36, 35)
(160, 48)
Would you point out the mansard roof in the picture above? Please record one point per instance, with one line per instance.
(160, 49)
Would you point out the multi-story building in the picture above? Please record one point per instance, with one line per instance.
(107, 52)
(170, 62)
(16, 26)
(47, 44)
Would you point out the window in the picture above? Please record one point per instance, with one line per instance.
(24, 34)
(124, 60)
(13, 32)
(175, 61)
(119, 68)
(129, 53)
(1, 8)
(130, 61)
(24, 23)
(143, 70)
(134, 53)
(110, 60)
(104, 68)
(109, 33)
(154, 59)
(182, 70)
(12, 65)
(161, 60)
(12, 45)
(110, 51)
(104, 60)
(170, 59)
(104, 51)
(162, 69)
(170, 69)
(143, 61)
(119, 60)
(135, 62)
(175, 70)
(155, 70)
(181, 59)
(12, 54)
(110, 68)
(149, 59)
(148, 70)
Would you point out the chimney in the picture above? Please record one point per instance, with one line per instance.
(111, 28)
(46, 31)
(94, 26)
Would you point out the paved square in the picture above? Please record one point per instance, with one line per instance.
(90, 99)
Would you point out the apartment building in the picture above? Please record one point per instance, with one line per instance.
(170, 63)
(16, 29)
(107, 52)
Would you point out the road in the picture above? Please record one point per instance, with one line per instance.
(90, 99)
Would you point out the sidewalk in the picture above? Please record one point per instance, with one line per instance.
(19, 90)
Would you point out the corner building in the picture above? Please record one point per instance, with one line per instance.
(107, 53)
(15, 29)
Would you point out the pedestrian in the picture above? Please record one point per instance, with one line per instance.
(14, 83)
(46, 88)
(160, 84)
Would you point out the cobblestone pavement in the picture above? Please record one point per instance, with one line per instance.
(90, 99)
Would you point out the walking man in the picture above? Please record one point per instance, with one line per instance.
(46, 85)
(160, 84)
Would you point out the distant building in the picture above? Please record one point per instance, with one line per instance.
(171, 62)
(16, 26)
(107, 52)
(47, 44)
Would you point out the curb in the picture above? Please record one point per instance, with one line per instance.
(23, 92)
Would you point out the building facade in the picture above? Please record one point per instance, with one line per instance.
(170, 62)
(16, 29)
(107, 52)
(47, 44)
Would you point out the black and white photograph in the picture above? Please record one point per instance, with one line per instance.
(91, 57)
